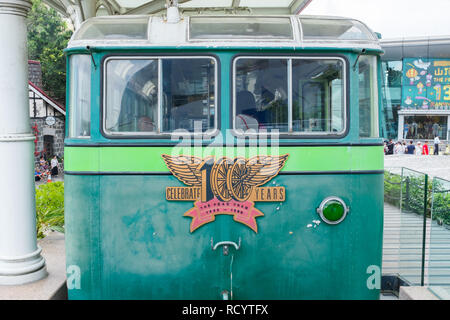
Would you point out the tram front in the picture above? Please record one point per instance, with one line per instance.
(223, 158)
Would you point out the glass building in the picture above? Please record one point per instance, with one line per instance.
(416, 88)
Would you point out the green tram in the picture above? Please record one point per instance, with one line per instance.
(224, 157)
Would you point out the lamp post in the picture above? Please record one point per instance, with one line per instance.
(20, 257)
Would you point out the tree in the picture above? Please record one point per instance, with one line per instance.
(48, 35)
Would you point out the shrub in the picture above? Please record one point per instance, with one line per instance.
(412, 192)
(49, 208)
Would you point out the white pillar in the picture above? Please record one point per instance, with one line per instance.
(401, 124)
(448, 129)
(20, 257)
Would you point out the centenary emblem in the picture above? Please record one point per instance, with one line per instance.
(225, 186)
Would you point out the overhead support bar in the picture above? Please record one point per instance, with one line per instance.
(89, 8)
(116, 6)
(298, 6)
(57, 6)
(151, 7)
(236, 3)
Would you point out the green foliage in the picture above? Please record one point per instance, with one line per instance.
(441, 203)
(412, 194)
(392, 188)
(49, 208)
(48, 35)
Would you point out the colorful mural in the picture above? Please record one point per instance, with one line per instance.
(426, 84)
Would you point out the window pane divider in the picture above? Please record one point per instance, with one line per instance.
(160, 95)
(290, 95)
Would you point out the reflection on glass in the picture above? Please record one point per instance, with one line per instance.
(318, 96)
(131, 95)
(392, 95)
(240, 28)
(425, 127)
(261, 94)
(80, 95)
(335, 29)
(100, 28)
(134, 105)
(188, 94)
(368, 97)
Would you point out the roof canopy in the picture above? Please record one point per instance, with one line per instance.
(80, 10)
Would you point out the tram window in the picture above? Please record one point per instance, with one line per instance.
(131, 95)
(262, 94)
(79, 96)
(188, 94)
(268, 28)
(271, 91)
(134, 104)
(335, 29)
(368, 97)
(318, 96)
(125, 28)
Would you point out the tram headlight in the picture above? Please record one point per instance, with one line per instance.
(333, 210)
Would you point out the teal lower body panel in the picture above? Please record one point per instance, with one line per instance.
(128, 242)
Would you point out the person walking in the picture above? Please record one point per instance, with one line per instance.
(54, 164)
(436, 145)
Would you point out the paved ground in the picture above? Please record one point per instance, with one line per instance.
(402, 248)
(435, 166)
(51, 287)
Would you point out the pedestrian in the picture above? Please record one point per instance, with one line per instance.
(410, 148)
(37, 174)
(418, 150)
(43, 165)
(436, 145)
(398, 149)
(54, 164)
(425, 150)
(390, 147)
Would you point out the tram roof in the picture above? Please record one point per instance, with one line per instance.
(225, 31)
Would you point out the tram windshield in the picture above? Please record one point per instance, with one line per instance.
(290, 95)
(160, 95)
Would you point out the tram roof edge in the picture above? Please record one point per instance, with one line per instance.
(277, 31)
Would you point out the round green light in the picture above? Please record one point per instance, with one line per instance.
(333, 210)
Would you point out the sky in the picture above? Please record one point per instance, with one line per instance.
(391, 18)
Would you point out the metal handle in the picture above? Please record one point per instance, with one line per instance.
(225, 245)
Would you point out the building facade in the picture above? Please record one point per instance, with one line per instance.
(47, 117)
(416, 92)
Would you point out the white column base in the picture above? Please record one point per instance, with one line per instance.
(22, 269)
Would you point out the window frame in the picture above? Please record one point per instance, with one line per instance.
(290, 58)
(374, 96)
(159, 134)
(70, 113)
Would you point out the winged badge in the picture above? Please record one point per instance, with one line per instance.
(228, 179)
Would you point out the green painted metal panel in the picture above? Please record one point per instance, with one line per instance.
(130, 243)
(148, 159)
